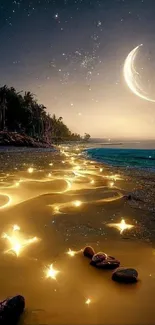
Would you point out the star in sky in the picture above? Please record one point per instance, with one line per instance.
(72, 51)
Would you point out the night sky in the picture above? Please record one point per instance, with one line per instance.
(71, 53)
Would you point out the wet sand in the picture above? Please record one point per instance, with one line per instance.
(43, 204)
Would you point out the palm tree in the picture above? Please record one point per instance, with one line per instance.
(3, 106)
(22, 113)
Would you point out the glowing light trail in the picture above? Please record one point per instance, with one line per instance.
(6, 205)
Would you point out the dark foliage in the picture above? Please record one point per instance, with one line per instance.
(21, 113)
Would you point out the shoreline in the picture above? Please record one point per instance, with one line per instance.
(126, 158)
(140, 184)
(145, 185)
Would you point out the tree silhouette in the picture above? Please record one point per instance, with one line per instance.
(86, 137)
(20, 112)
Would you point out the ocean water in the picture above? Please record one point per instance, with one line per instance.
(138, 158)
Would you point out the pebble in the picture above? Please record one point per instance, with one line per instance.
(98, 258)
(11, 309)
(125, 275)
(108, 263)
(88, 252)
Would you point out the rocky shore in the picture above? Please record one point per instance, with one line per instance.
(21, 140)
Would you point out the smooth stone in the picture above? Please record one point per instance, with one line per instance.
(111, 257)
(88, 252)
(126, 275)
(108, 264)
(98, 258)
(11, 309)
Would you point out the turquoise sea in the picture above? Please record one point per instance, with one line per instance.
(138, 158)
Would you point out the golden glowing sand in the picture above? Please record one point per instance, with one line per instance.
(74, 205)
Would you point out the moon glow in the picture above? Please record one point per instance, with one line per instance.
(131, 76)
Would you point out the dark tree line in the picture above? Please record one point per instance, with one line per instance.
(20, 112)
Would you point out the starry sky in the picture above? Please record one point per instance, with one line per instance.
(70, 55)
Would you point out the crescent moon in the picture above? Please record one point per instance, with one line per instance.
(131, 75)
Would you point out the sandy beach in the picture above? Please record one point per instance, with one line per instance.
(67, 201)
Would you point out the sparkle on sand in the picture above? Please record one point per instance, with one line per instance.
(88, 301)
(121, 226)
(71, 253)
(30, 170)
(51, 272)
(16, 241)
(77, 203)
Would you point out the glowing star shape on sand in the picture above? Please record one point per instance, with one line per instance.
(121, 226)
(16, 241)
(56, 210)
(71, 253)
(111, 184)
(77, 204)
(16, 227)
(92, 182)
(115, 177)
(88, 301)
(51, 272)
(30, 170)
